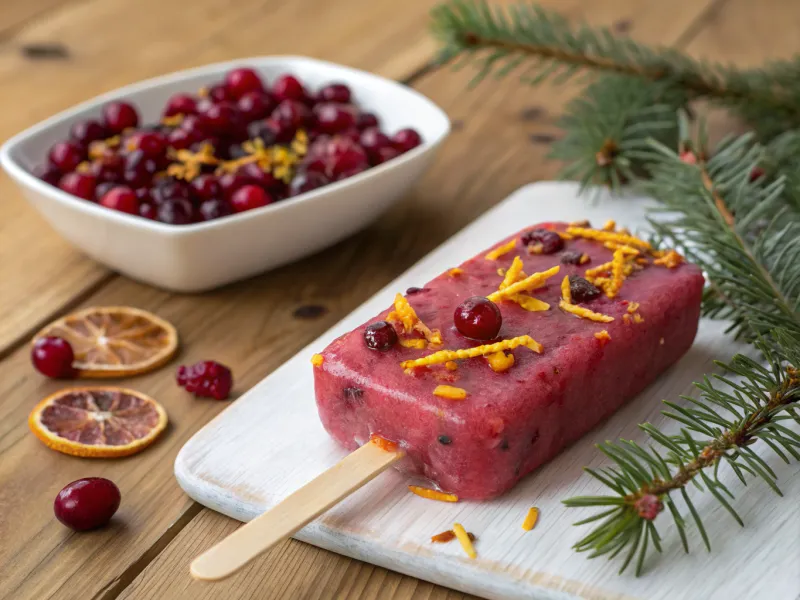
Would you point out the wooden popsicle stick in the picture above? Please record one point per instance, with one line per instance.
(296, 511)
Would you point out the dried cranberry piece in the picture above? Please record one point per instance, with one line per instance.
(551, 242)
(571, 257)
(208, 379)
(582, 290)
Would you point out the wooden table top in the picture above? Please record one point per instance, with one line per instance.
(54, 53)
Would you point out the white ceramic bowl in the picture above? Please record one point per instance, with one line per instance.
(202, 256)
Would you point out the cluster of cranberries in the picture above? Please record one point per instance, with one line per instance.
(129, 175)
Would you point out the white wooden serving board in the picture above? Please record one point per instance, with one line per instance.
(270, 442)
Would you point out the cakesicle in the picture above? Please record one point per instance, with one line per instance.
(589, 318)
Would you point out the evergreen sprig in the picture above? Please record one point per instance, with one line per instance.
(746, 236)
(734, 211)
(606, 128)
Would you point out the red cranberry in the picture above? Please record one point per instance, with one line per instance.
(119, 116)
(86, 132)
(148, 211)
(78, 184)
(281, 131)
(366, 120)
(152, 144)
(373, 138)
(345, 156)
(221, 118)
(288, 87)
(175, 211)
(352, 134)
(122, 199)
(194, 125)
(384, 154)
(219, 93)
(180, 104)
(406, 139)
(139, 169)
(208, 379)
(241, 81)
(108, 168)
(206, 187)
(101, 189)
(65, 156)
(230, 182)
(180, 139)
(380, 336)
(291, 112)
(307, 181)
(582, 290)
(756, 173)
(255, 105)
(214, 209)
(87, 503)
(170, 189)
(53, 356)
(48, 173)
(478, 318)
(249, 197)
(334, 92)
(257, 176)
(550, 240)
(333, 118)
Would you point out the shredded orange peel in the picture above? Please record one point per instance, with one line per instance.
(317, 360)
(463, 538)
(500, 361)
(609, 236)
(450, 392)
(585, 313)
(501, 250)
(430, 494)
(417, 343)
(405, 314)
(670, 259)
(566, 294)
(525, 285)
(603, 336)
(443, 356)
(531, 519)
(455, 272)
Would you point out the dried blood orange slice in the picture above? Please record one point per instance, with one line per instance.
(98, 422)
(115, 341)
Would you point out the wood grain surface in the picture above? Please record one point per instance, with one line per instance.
(501, 136)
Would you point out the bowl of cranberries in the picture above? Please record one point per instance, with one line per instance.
(199, 178)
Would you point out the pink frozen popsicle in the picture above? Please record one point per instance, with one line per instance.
(590, 349)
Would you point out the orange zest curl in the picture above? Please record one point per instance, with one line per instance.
(443, 356)
(450, 392)
(501, 250)
(383, 443)
(531, 518)
(430, 494)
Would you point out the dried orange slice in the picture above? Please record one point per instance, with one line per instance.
(115, 341)
(98, 422)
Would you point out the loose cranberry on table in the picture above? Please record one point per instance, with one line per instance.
(249, 197)
(380, 336)
(87, 503)
(208, 379)
(119, 116)
(478, 318)
(78, 184)
(53, 356)
(122, 199)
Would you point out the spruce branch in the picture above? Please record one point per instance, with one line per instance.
(715, 211)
